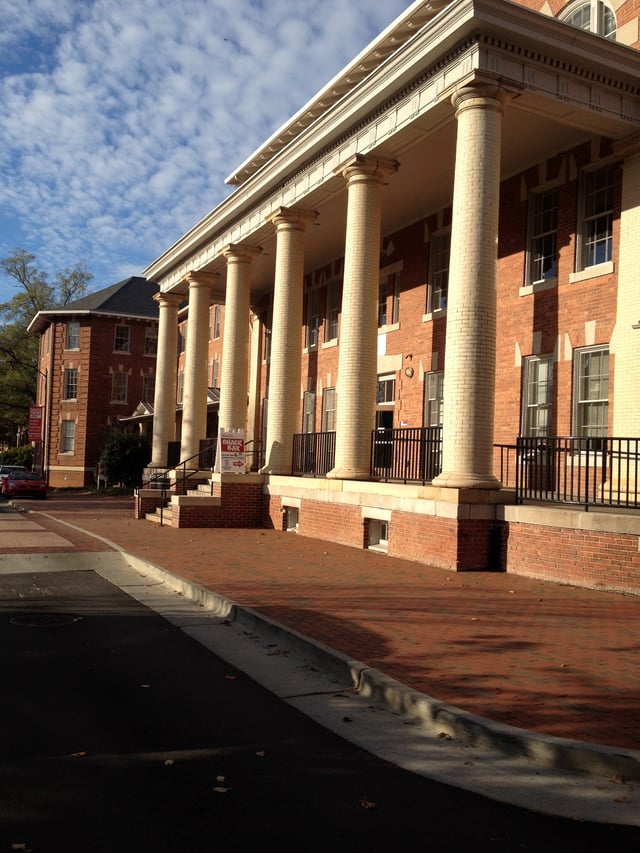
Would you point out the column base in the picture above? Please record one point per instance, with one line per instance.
(465, 480)
(346, 473)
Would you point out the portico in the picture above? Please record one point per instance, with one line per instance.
(426, 124)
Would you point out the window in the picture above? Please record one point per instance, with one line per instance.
(438, 272)
(313, 320)
(597, 17)
(596, 220)
(148, 388)
(119, 386)
(121, 342)
(329, 410)
(216, 322)
(433, 398)
(180, 386)
(151, 340)
(182, 337)
(215, 372)
(378, 534)
(67, 436)
(334, 298)
(591, 391)
(70, 384)
(386, 390)
(309, 412)
(537, 395)
(73, 335)
(543, 240)
(389, 300)
(267, 320)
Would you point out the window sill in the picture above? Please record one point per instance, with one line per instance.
(592, 272)
(434, 315)
(329, 344)
(391, 327)
(539, 286)
(121, 352)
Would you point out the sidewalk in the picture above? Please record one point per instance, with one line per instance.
(552, 659)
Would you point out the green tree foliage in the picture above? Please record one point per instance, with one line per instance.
(19, 349)
(124, 458)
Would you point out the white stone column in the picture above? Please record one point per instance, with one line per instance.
(626, 340)
(194, 398)
(234, 379)
(470, 351)
(358, 358)
(164, 400)
(283, 416)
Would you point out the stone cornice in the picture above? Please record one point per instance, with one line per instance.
(525, 51)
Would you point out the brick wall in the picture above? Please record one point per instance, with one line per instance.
(597, 560)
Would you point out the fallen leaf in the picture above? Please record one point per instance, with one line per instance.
(260, 753)
(230, 677)
(220, 778)
(367, 804)
(78, 754)
(220, 790)
(168, 762)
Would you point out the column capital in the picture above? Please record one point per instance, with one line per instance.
(240, 253)
(484, 93)
(360, 167)
(200, 278)
(170, 298)
(292, 217)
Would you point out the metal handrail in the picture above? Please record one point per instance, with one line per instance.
(164, 474)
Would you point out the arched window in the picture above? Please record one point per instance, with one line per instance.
(596, 17)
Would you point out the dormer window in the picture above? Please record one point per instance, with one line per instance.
(596, 17)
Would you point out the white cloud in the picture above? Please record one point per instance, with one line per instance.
(121, 119)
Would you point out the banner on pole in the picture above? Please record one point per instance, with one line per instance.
(35, 423)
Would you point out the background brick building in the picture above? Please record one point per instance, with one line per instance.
(97, 363)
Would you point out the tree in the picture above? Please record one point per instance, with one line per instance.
(124, 458)
(19, 349)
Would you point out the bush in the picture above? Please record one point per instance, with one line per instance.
(22, 455)
(124, 458)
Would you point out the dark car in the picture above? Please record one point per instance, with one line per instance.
(24, 483)
(5, 470)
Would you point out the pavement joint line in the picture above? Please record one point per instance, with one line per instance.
(542, 750)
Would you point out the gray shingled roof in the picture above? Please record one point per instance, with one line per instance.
(132, 296)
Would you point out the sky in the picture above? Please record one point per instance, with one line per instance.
(122, 118)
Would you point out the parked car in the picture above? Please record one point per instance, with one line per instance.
(24, 483)
(5, 470)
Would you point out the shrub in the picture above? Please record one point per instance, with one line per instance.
(124, 458)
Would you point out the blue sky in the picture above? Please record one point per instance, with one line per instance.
(121, 118)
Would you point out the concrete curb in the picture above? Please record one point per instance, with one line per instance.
(547, 751)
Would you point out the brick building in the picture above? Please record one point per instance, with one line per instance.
(427, 301)
(97, 362)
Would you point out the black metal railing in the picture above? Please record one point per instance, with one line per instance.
(592, 471)
(253, 455)
(406, 455)
(313, 453)
(563, 470)
(162, 482)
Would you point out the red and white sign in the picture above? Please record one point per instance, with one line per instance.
(35, 423)
(231, 452)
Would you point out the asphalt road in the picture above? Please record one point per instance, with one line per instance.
(118, 732)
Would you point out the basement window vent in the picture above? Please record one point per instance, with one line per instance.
(378, 535)
(291, 514)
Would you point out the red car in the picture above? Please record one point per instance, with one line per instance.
(23, 484)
